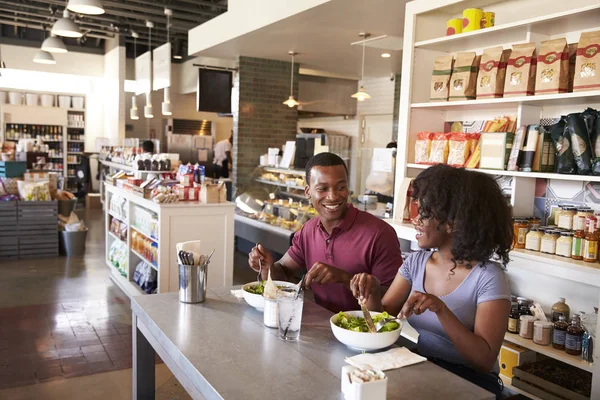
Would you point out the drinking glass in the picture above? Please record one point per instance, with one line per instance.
(289, 308)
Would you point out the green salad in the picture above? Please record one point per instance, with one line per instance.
(358, 324)
(259, 288)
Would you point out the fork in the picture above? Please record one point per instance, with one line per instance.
(259, 276)
(381, 324)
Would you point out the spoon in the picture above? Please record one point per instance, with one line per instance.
(209, 256)
(381, 324)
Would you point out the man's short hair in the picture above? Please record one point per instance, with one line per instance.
(323, 160)
(148, 146)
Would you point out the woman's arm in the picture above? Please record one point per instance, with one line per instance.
(479, 348)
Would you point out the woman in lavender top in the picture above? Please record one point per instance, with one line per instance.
(456, 296)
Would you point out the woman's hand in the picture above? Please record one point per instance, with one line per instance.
(419, 302)
(364, 285)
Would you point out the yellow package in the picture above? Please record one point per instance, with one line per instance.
(440, 148)
(423, 147)
(473, 161)
(459, 149)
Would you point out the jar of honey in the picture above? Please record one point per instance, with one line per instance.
(520, 229)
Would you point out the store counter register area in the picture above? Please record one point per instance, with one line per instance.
(457, 297)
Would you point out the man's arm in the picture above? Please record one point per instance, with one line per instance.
(284, 269)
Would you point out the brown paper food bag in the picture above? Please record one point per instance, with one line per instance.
(492, 71)
(442, 69)
(572, 63)
(520, 72)
(463, 83)
(587, 73)
(553, 67)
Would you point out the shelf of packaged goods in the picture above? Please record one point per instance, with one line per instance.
(508, 384)
(76, 141)
(563, 99)
(75, 152)
(128, 287)
(129, 168)
(141, 257)
(115, 215)
(549, 351)
(519, 174)
(556, 23)
(115, 237)
(263, 225)
(138, 200)
(144, 234)
(266, 182)
(284, 171)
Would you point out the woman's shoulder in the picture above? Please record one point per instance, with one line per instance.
(417, 259)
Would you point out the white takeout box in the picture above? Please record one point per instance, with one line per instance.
(376, 390)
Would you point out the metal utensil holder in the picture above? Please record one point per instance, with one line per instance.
(192, 283)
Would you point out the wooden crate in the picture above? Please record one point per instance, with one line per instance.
(12, 169)
(9, 248)
(8, 230)
(36, 246)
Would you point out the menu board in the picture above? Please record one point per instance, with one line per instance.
(161, 67)
(143, 73)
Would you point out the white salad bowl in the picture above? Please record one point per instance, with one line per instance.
(257, 300)
(364, 341)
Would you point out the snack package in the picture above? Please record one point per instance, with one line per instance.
(572, 64)
(440, 78)
(463, 83)
(473, 139)
(543, 161)
(423, 147)
(587, 73)
(499, 124)
(553, 67)
(515, 151)
(565, 161)
(439, 148)
(458, 149)
(580, 143)
(494, 150)
(34, 191)
(512, 124)
(521, 71)
(492, 71)
(475, 157)
(530, 144)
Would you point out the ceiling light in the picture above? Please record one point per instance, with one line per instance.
(386, 55)
(291, 102)
(43, 57)
(54, 44)
(177, 47)
(148, 113)
(361, 95)
(91, 7)
(167, 107)
(178, 57)
(66, 27)
(133, 113)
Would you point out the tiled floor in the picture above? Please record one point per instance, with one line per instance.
(64, 324)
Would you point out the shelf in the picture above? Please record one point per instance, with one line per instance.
(141, 257)
(76, 110)
(562, 99)
(538, 175)
(129, 168)
(549, 351)
(266, 182)
(76, 141)
(114, 215)
(75, 127)
(284, 171)
(508, 384)
(116, 237)
(144, 234)
(263, 225)
(74, 152)
(552, 24)
(129, 288)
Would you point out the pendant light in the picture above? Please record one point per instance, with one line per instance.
(65, 27)
(361, 95)
(54, 44)
(43, 57)
(148, 112)
(291, 102)
(167, 108)
(90, 7)
(133, 113)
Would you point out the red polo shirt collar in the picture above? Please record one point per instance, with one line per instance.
(346, 222)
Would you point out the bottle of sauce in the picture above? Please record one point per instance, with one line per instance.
(577, 248)
(560, 333)
(513, 318)
(560, 308)
(590, 243)
(574, 337)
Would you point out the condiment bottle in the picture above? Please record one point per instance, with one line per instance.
(533, 240)
(520, 229)
(590, 243)
(577, 247)
(549, 241)
(560, 333)
(513, 318)
(574, 337)
(564, 244)
(560, 308)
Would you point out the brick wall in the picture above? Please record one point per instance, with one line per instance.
(260, 120)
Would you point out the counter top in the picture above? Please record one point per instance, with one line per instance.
(221, 349)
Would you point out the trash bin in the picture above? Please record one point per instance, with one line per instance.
(66, 207)
(192, 283)
(73, 243)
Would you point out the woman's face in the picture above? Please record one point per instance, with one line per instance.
(430, 233)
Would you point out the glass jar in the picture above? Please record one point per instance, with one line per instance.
(533, 240)
(577, 248)
(565, 217)
(542, 333)
(526, 326)
(549, 239)
(520, 229)
(534, 222)
(564, 244)
(580, 217)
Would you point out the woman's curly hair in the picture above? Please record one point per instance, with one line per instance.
(473, 205)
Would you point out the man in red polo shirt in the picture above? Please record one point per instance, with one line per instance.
(341, 242)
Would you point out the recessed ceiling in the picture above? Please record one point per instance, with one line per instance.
(322, 36)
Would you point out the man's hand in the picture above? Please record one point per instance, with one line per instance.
(419, 302)
(260, 253)
(324, 274)
(364, 285)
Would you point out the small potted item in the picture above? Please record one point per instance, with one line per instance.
(363, 384)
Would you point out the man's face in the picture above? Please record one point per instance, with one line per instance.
(328, 191)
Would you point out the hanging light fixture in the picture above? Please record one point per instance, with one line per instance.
(291, 102)
(167, 108)
(43, 57)
(90, 7)
(65, 27)
(133, 113)
(53, 44)
(361, 95)
(148, 112)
